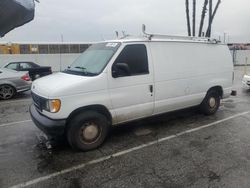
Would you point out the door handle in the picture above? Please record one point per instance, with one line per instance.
(151, 88)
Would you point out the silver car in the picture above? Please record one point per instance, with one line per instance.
(12, 82)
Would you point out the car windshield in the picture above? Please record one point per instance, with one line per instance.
(93, 60)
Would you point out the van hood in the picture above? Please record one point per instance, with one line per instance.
(63, 84)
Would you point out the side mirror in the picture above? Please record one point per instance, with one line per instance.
(120, 70)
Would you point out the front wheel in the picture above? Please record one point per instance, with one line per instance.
(211, 103)
(87, 130)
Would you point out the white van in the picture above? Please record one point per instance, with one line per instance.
(128, 79)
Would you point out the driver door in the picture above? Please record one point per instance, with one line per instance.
(130, 83)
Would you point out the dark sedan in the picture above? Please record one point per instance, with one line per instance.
(35, 71)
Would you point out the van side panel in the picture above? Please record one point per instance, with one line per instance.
(130, 96)
(184, 72)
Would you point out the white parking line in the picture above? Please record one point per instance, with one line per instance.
(105, 158)
(14, 123)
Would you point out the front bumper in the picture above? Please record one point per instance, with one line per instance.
(49, 126)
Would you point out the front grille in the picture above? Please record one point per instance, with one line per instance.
(39, 102)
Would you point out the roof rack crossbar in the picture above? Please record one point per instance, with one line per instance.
(150, 36)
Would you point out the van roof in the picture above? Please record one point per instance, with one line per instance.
(165, 38)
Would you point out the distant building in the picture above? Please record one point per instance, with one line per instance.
(240, 53)
(43, 48)
(239, 46)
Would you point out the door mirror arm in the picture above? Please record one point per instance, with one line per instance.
(115, 74)
(120, 70)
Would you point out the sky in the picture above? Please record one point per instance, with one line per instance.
(97, 20)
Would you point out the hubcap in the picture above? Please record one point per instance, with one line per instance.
(212, 102)
(6, 92)
(90, 132)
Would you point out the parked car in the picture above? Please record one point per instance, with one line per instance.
(246, 81)
(128, 79)
(12, 82)
(35, 71)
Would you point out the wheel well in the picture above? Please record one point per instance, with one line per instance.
(9, 85)
(218, 89)
(98, 108)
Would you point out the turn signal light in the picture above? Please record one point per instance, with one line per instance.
(55, 105)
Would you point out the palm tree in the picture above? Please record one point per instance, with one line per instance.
(211, 17)
(194, 16)
(188, 19)
(203, 14)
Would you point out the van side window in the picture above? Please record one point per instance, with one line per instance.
(135, 58)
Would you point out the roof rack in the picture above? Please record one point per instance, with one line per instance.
(189, 38)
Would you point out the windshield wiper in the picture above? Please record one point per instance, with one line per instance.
(83, 68)
(83, 72)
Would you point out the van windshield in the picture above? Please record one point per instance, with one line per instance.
(93, 60)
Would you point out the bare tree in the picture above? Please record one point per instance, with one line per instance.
(208, 33)
(194, 16)
(188, 18)
(203, 14)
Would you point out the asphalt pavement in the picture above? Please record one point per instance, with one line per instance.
(181, 149)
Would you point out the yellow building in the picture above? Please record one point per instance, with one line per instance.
(9, 49)
(43, 48)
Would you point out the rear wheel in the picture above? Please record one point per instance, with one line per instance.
(211, 103)
(6, 92)
(87, 130)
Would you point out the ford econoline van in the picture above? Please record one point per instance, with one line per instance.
(127, 79)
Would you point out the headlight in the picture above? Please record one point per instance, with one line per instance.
(53, 105)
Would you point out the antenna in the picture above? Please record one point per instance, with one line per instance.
(144, 28)
(123, 33)
(117, 34)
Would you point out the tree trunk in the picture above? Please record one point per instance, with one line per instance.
(204, 10)
(216, 8)
(194, 16)
(208, 33)
(188, 19)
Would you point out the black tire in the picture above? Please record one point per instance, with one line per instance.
(82, 126)
(211, 103)
(7, 91)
